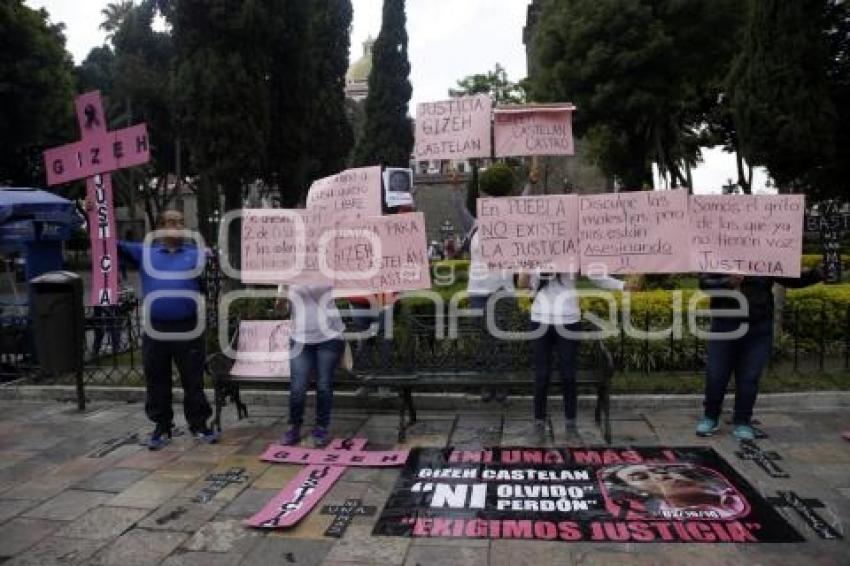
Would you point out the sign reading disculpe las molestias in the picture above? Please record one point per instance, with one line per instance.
(588, 494)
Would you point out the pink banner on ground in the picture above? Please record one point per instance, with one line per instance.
(298, 497)
(282, 246)
(529, 233)
(529, 130)
(349, 195)
(458, 128)
(101, 153)
(298, 455)
(636, 232)
(263, 349)
(379, 254)
(747, 234)
(104, 244)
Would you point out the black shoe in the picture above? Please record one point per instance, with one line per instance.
(205, 434)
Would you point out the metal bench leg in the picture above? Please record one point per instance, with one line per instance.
(408, 398)
(218, 401)
(402, 425)
(241, 408)
(606, 411)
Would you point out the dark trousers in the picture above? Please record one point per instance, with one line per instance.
(747, 357)
(323, 358)
(567, 351)
(188, 356)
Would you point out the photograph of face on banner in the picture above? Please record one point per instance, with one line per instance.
(398, 186)
(670, 491)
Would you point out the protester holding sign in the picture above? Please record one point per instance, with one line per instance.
(555, 319)
(316, 345)
(745, 355)
(172, 267)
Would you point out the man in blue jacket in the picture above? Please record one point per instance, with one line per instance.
(175, 266)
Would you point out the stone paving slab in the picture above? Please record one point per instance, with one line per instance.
(133, 506)
(139, 547)
(57, 551)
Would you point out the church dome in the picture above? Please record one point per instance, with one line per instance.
(360, 69)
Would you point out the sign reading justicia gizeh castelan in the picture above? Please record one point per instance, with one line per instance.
(633, 494)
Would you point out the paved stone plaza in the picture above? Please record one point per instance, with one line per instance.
(62, 504)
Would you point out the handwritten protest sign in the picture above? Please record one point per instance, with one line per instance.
(263, 349)
(529, 233)
(351, 194)
(401, 263)
(282, 246)
(528, 130)
(747, 234)
(458, 128)
(640, 232)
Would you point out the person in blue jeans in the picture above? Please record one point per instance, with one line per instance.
(746, 355)
(316, 346)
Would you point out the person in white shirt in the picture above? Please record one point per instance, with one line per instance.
(316, 345)
(481, 285)
(556, 314)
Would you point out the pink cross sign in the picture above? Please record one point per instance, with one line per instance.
(92, 158)
(324, 467)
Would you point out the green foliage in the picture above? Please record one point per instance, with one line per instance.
(784, 113)
(495, 83)
(36, 92)
(498, 180)
(388, 133)
(643, 74)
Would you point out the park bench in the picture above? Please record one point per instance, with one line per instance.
(421, 359)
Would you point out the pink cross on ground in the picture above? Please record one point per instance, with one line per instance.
(325, 466)
(93, 157)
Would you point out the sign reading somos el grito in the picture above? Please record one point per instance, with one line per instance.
(593, 494)
(644, 232)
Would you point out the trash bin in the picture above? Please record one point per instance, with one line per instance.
(58, 321)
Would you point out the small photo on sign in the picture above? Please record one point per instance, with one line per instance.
(263, 349)
(398, 187)
(651, 491)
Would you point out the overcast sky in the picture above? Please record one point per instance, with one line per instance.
(448, 39)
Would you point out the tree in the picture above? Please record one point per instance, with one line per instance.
(332, 134)
(783, 111)
(642, 74)
(388, 132)
(36, 92)
(113, 16)
(495, 83)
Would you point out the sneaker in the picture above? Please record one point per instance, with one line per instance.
(206, 435)
(292, 436)
(160, 436)
(320, 437)
(706, 426)
(744, 432)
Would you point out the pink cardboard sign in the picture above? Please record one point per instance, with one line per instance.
(282, 246)
(104, 246)
(529, 233)
(298, 455)
(747, 234)
(263, 349)
(636, 232)
(386, 253)
(101, 153)
(458, 128)
(298, 497)
(349, 195)
(533, 130)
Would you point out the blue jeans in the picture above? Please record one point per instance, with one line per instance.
(567, 350)
(323, 358)
(747, 357)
